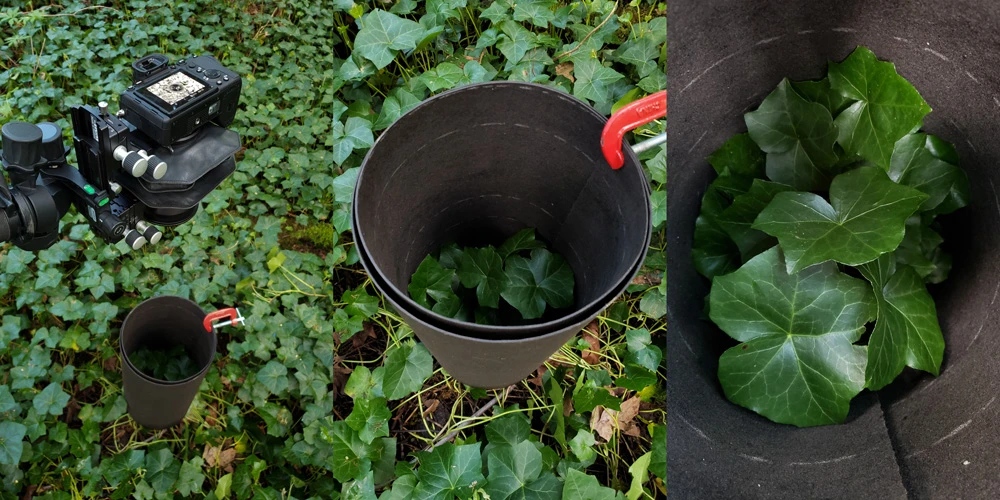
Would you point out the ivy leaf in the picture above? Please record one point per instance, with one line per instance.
(274, 377)
(641, 349)
(921, 250)
(714, 252)
(640, 472)
(515, 471)
(482, 269)
(545, 278)
(521, 240)
(350, 455)
(583, 486)
(11, 442)
(510, 428)
(582, 446)
(162, 470)
(362, 488)
(658, 208)
(406, 369)
(906, 332)
(539, 12)
(190, 479)
(739, 156)
(798, 137)
(430, 279)
(51, 400)
(914, 163)
(515, 42)
(887, 107)
(355, 134)
(357, 302)
(796, 363)
(382, 34)
(449, 471)
(49, 278)
(343, 185)
(865, 218)
(820, 91)
(122, 466)
(370, 418)
(594, 80)
(444, 76)
(737, 220)
(658, 460)
(641, 53)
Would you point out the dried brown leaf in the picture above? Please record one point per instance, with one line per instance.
(565, 69)
(591, 334)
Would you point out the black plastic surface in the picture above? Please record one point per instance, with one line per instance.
(924, 437)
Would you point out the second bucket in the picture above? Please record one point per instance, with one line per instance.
(161, 323)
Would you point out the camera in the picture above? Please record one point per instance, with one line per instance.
(149, 164)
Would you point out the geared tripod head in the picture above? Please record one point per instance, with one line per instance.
(150, 164)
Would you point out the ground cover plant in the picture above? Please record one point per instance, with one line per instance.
(591, 422)
(494, 286)
(820, 231)
(262, 242)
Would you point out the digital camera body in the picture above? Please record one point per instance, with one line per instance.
(149, 164)
(170, 101)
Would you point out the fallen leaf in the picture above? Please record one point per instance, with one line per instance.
(630, 408)
(432, 406)
(646, 279)
(211, 455)
(603, 422)
(226, 458)
(565, 69)
(358, 341)
(567, 406)
(591, 333)
(537, 380)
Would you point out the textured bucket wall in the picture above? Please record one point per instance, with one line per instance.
(931, 438)
(163, 322)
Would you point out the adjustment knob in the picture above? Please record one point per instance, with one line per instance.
(157, 166)
(149, 232)
(52, 142)
(132, 161)
(22, 144)
(134, 239)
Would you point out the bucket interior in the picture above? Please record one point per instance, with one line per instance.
(922, 436)
(478, 163)
(162, 323)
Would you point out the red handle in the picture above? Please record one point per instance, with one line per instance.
(636, 114)
(231, 313)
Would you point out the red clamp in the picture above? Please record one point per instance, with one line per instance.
(638, 113)
(231, 313)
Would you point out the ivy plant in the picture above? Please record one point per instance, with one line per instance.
(820, 231)
(468, 283)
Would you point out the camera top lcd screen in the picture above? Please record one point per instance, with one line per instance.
(173, 91)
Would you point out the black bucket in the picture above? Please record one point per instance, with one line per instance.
(162, 323)
(922, 437)
(478, 164)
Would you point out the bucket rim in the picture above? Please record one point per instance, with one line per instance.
(501, 330)
(121, 346)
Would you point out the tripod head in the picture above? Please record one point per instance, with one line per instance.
(149, 164)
